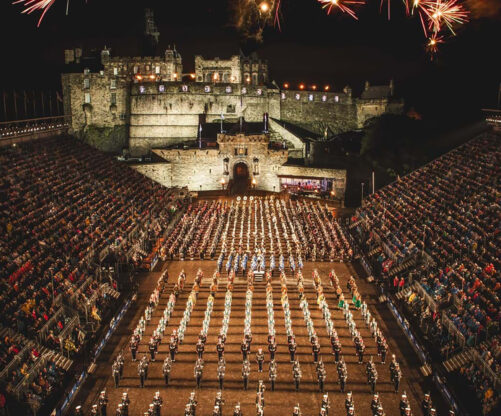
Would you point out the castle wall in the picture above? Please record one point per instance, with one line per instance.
(316, 110)
(159, 172)
(163, 114)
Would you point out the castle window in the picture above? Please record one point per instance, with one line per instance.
(113, 84)
(297, 96)
(87, 98)
(324, 98)
(161, 88)
(259, 91)
(136, 68)
(142, 89)
(336, 98)
(230, 108)
(244, 90)
(122, 116)
(207, 88)
(228, 89)
(147, 68)
(115, 71)
(254, 79)
(86, 83)
(113, 98)
(184, 88)
(282, 95)
(157, 69)
(310, 97)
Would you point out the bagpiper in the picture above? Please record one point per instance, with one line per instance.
(218, 402)
(348, 402)
(260, 359)
(326, 403)
(193, 403)
(297, 374)
(220, 373)
(125, 404)
(157, 404)
(395, 376)
(342, 373)
(273, 374)
(116, 373)
(245, 373)
(198, 371)
(166, 369)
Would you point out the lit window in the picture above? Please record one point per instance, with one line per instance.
(244, 90)
(161, 88)
(115, 71)
(87, 98)
(113, 84)
(324, 98)
(157, 69)
(86, 83)
(142, 89)
(297, 96)
(86, 71)
(147, 68)
(136, 68)
(228, 89)
(259, 91)
(310, 97)
(184, 88)
(282, 95)
(113, 98)
(336, 98)
(207, 88)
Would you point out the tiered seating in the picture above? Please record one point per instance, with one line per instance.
(450, 209)
(62, 205)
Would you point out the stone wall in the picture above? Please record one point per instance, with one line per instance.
(163, 114)
(316, 110)
(103, 121)
(159, 172)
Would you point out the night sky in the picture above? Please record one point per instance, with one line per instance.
(311, 47)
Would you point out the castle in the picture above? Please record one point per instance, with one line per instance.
(150, 105)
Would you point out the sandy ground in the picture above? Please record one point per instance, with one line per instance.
(283, 399)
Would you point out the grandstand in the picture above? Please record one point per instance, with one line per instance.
(93, 253)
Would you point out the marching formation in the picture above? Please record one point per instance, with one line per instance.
(349, 309)
(259, 233)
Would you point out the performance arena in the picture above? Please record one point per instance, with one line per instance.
(395, 303)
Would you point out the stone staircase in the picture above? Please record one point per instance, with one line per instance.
(59, 359)
(458, 360)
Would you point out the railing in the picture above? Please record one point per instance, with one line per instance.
(487, 370)
(17, 128)
(446, 322)
(424, 294)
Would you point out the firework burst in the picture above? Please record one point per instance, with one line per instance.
(341, 5)
(432, 46)
(445, 12)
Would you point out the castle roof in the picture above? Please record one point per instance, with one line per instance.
(376, 92)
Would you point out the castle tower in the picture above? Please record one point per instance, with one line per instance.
(151, 34)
